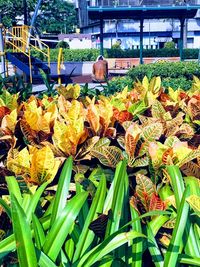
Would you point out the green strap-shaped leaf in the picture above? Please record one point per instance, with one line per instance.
(185, 259)
(87, 236)
(108, 245)
(137, 248)
(35, 199)
(154, 250)
(117, 198)
(175, 246)
(22, 232)
(5, 207)
(44, 261)
(62, 190)
(39, 234)
(13, 188)
(62, 226)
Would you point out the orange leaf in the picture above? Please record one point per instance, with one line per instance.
(156, 203)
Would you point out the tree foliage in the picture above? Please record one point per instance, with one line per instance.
(55, 16)
(58, 16)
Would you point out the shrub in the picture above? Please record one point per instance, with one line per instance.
(117, 45)
(166, 70)
(176, 83)
(169, 45)
(62, 44)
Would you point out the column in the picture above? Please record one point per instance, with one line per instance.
(101, 36)
(141, 40)
(182, 23)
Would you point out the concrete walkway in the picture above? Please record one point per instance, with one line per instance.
(42, 87)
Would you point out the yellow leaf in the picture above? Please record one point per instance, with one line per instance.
(18, 162)
(9, 121)
(52, 109)
(60, 137)
(155, 85)
(174, 95)
(43, 165)
(93, 117)
(145, 83)
(36, 120)
(8, 100)
(71, 91)
(194, 202)
(105, 112)
(123, 94)
(181, 150)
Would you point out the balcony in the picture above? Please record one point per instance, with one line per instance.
(139, 3)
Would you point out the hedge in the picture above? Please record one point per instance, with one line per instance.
(92, 54)
(174, 74)
(166, 70)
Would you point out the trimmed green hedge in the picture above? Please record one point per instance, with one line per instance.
(164, 52)
(70, 55)
(92, 54)
(173, 74)
(176, 83)
(166, 70)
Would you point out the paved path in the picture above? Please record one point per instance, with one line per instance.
(82, 80)
(41, 87)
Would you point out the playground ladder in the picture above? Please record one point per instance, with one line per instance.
(17, 39)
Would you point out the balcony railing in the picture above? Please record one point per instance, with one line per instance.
(124, 3)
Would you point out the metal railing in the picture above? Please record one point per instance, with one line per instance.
(18, 44)
(17, 39)
(34, 47)
(107, 3)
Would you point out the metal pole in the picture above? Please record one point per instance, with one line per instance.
(33, 20)
(101, 36)
(185, 31)
(182, 21)
(2, 53)
(141, 40)
(25, 12)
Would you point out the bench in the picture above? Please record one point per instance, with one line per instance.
(124, 63)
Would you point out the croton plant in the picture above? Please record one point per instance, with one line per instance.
(147, 128)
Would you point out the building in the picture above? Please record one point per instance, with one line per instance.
(155, 32)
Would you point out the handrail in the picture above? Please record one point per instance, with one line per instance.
(60, 61)
(38, 49)
(16, 38)
(28, 55)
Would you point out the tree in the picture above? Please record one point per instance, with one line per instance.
(57, 16)
(10, 9)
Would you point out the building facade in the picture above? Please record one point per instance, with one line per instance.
(155, 33)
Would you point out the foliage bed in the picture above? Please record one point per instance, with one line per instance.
(120, 199)
(92, 54)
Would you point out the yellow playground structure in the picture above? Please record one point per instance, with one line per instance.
(19, 45)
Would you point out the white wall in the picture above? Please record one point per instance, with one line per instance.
(196, 42)
(76, 43)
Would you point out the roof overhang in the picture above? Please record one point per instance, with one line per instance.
(144, 12)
